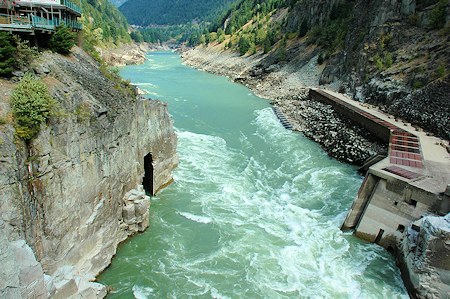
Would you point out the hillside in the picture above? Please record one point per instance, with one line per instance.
(392, 55)
(103, 25)
(118, 2)
(164, 12)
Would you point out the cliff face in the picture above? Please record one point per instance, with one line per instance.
(426, 257)
(392, 54)
(387, 53)
(74, 192)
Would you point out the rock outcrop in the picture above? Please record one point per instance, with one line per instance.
(74, 193)
(425, 257)
(125, 54)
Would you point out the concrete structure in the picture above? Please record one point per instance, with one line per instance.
(38, 16)
(412, 182)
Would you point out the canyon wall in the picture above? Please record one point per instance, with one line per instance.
(74, 193)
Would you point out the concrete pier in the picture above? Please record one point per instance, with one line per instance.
(402, 188)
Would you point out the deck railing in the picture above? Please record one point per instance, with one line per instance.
(16, 20)
(37, 22)
(71, 5)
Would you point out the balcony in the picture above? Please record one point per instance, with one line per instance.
(71, 5)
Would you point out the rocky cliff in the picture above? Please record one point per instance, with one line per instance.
(392, 54)
(425, 257)
(71, 195)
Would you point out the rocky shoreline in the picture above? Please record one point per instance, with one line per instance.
(129, 54)
(288, 90)
(125, 54)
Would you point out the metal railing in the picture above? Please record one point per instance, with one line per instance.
(43, 23)
(71, 5)
(38, 22)
(14, 20)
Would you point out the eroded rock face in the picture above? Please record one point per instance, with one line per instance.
(426, 257)
(68, 192)
(124, 55)
(21, 275)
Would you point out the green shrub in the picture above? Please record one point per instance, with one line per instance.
(244, 45)
(7, 51)
(441, 71)
(3, 120)
(379, 63)
(438, 15)
(62, 40)
(388, 60)
(417, 84)
(267, 46)
(24, 53)
(83, 112)
(282, 52)
(137, 36)
(413, 19)
(32, 105)
(221, 38)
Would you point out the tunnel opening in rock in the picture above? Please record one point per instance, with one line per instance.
(148, 175)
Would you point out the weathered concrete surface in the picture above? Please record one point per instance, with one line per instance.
(68, 193)
(387, 204)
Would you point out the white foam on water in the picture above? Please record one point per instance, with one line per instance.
(146, 84)
(141, 292)
(276, 213)
(314, 260)
(196, 218)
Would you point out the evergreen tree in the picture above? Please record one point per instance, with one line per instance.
(137, 36)
(244, 45)
(7, 51)
(62, 40)
(267, 45)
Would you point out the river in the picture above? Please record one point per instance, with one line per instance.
(254, 211)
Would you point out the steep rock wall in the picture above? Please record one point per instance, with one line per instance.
(425, 257)
(67, 192)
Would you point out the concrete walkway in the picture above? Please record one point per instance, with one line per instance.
(414, 157)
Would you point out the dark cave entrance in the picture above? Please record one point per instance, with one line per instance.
(148, 176)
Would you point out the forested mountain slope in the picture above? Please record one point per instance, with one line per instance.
(103, 24)
(170, 12)
(391, 53)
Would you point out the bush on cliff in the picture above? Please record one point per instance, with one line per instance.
(32, 105)
(7, 51)
(63, 40)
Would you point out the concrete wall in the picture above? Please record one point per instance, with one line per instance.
(380, 131)
(389, 204)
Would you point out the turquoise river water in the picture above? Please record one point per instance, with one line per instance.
(254, 211)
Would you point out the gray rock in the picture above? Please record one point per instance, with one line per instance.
(80, 173)
(425, 257)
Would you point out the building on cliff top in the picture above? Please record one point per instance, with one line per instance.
(38, 16)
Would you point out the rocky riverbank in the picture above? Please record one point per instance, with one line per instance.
(125, 54)
(129, 54)
(288, 89)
